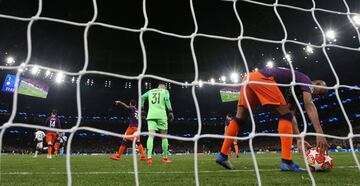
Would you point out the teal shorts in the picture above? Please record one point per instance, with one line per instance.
(157, 124)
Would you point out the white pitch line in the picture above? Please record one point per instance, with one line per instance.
(153, 172)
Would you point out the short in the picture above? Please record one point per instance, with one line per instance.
(131, 130)
(39, 145)
(51, 138)
(259, 93)
(157, 124)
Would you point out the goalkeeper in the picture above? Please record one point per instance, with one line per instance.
(157, 118)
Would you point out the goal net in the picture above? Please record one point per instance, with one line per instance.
(353, 19)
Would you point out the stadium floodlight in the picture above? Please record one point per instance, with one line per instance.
(201, 83)
(223, 79)
(356, 20)
(270, 64)
(47, 73)
(288, 57)
(234, 77)
(256, 69)
(21, 68)
(330, 34)
(35, 70)
(10, 61)
(212, 81)
(309, 49)
(59, 77)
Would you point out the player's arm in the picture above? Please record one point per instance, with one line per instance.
(168, 105)
(144, 97)
(312, 113)
(122, 103)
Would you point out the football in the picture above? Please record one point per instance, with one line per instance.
(318, 162)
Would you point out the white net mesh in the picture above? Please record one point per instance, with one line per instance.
(195, 82)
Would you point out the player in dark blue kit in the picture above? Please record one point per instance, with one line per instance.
(53, 122)
(132, 128)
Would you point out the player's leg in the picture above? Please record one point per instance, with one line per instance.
(232, 130)
(247, 98)
(121, 150)
(49, 141)
(236, 147)
(165, 146)
(62, 149)
(56, 147)
(152, 128)
(285, 127)
(141, 149)
(38, 148)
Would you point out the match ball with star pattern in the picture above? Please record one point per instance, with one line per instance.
(318, 162)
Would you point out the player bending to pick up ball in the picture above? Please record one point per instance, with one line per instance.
(39, 136)
(132, 128)
(53, 122)
(158, 98)
(272, 96)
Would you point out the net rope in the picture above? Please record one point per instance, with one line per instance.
(140, 77)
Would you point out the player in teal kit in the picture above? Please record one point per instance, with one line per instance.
(157, 119)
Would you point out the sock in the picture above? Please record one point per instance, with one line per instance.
(149, 146)
(165, 147)
(36, 153)
(232, 130)
(236, 149)
(121, 150)
(49, 150)
(287, 161)
(285, 127)
(141, 150)
(61, 151)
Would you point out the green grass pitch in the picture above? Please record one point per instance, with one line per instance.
(100, 170)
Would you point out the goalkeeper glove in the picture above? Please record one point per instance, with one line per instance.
(171, 116)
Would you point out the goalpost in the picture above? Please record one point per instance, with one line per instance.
(196, 82)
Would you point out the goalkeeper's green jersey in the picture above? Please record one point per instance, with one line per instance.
(158, 98)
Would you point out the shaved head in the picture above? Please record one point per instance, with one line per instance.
(318, 91)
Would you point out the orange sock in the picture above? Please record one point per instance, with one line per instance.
(141, 150)
(49, 150)
(285, 127)
(121, 150)
(236, 149)
(231, 130)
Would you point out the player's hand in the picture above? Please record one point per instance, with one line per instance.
(322, 144)
(299, 146)
(171, 116)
